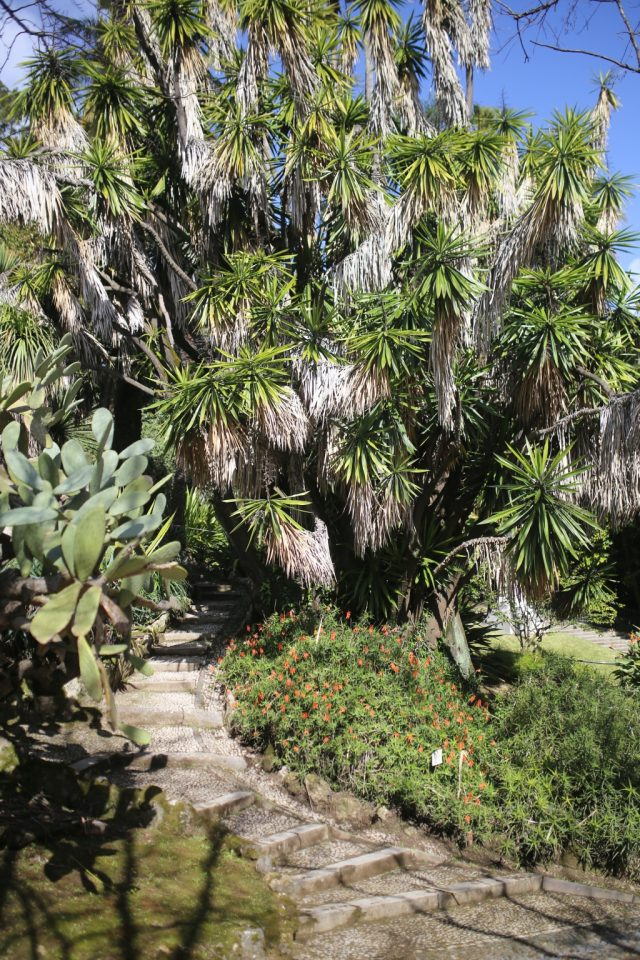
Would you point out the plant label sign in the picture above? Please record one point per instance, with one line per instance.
(436, 757)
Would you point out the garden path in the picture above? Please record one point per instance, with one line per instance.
(370, 893)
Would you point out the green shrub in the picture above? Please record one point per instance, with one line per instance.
(628, 670)
(554, 768)
(206, 543)
(358, 705)
(566, 772)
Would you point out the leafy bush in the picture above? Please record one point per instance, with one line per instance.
(566, 773)
(206, 543)
(360, 706)
(628, 670)
(555, 767)
(81, 548)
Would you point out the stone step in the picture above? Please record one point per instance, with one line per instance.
(226, 804)
(349, 871)
(165, 685)
(186, 761)
(298, 838)
(180, 664)
(331, 916)
(148, 762)
(195, 648)
(172, 637)
(141, 716)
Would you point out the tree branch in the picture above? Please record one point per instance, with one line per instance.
(589, 53)
(470, 545)
(167, 256)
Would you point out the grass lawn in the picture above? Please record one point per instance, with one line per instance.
(498, 658)
(150, 894)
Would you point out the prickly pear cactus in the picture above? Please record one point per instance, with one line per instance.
(85, 527)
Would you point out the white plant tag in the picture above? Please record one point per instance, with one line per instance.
(436, 758)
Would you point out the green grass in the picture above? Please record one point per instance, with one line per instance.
(499, 657)
(152, 893)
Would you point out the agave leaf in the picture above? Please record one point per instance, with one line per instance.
(134, 496)
(49, 469)
(76, 481)
(89, 669)
(11, 435)
(89, 541)
(130, 470)
(73, 456)
(138, 736)
(112, 649)
(55, 615)
(102, 428)
(23, 516)
(21, 470)
(136, 528)
(140, 665)
(86, 611)
(139, 447)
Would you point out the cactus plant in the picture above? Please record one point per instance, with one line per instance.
(82, 534)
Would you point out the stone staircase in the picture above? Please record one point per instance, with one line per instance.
(359, 895)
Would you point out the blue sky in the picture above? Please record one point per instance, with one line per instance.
(551, 80)
(548, 81)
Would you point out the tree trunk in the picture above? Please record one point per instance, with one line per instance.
(469, 94)
(127, 415)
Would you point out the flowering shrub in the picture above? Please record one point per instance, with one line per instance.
(362, 707)
(555, 767)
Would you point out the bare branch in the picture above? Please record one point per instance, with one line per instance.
(167, 256)
(470, 545)
(589, 53)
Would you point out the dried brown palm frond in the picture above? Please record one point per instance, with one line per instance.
(258, 469)
(103, 313)
(613, 483)
(60, 133)
(304, 555)
(222, 19)
(284, 424)
(211, 455)
(438, 17)
(28, 195)
(445, 341)
(374, 517)
(480, 23)
(323, 386)
(410, 107)
(540, 397)
(509, 197)
(606, 103)
(386, 89)
(364, 387)
(254, 68)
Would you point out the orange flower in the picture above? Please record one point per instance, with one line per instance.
(467, 818)
(296, 749)
(394, 667)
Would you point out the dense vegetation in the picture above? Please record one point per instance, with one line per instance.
(384, 331)
(550, 767)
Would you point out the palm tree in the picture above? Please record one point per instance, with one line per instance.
(369, 327)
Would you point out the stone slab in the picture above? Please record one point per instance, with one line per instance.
(182, 761)
(299, 838)
(225, 804)
(346, 871)
(180, 684)
(178, 665)
(141, 716)
(555, 885)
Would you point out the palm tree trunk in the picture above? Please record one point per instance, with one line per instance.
(469, 93)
